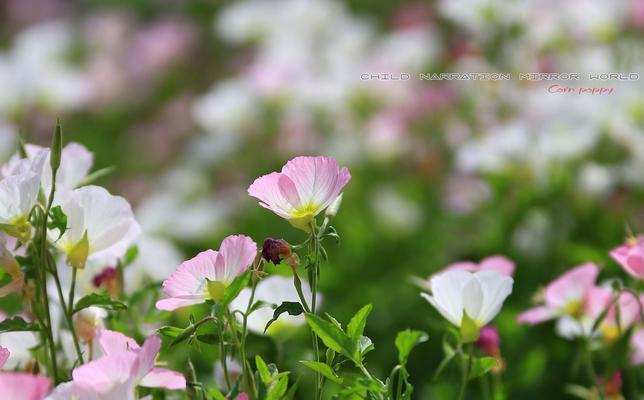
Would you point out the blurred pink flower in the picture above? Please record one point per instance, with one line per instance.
(600, 298)
(637, 345)
(23, 386)
(630, 256)
(304, 188)
(10, 266)
(498, 263)
(115, 375)
(637, 13)
(489, 341)
(563, 296)
(206, 275)
(4, 355)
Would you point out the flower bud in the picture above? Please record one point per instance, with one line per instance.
(56, 148)
(77, 256)
(88, 321)
(274, 250)
(332, 210)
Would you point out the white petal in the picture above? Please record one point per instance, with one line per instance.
(495, 288)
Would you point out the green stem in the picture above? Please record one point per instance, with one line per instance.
(244, 334)
(590, 369)
(72, 289)
(466, 367)
(401, 373)
(49, 333)
(222, 355)
(68, 312)
(315, 240)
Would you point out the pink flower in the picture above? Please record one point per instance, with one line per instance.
(563, 296)
(4, 355)
(115, 376)
(630, 256)
(637, 345)
(23, 386)
(305, 187)
(498, 263)
(208, 274)
(489, 341)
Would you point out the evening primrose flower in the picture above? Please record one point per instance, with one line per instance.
(630, 256)
(19, 189)
(124, 366)
(206, 276)
(88, 322)
(563, 296)
(305, 187)
(100, 226)
(469, 300)
(498, 263)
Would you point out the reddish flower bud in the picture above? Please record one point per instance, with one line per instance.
(275, 250)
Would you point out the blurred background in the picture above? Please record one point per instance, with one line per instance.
(191, 100)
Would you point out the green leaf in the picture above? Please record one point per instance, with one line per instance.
(469, 329)
(262, 368)
(130, 255)
(356, 326)
(215, 394)
(292, 308)
(96, 175)
(481, 365)
(333, 337)
(323, 370)
(406, 340)
(449, 353)
(98, 300)
(278, 389)
(57, 220)
(233, 290)
(17, 324)
(208, 338)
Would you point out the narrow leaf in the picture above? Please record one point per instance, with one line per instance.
(332, 336)
(323, 370)
(292, 308)
(17, 324)
(233, 290)
(406, 340)
(481, 365)
(356, 326)
(99, 300)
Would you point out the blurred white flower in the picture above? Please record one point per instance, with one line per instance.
(88, 321)
(272, 290)
(394, 211)
(227, 108)
(19, 345)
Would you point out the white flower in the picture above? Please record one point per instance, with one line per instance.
(19, 193)
(107, 221)
(75, 163)
(479, 294)
(88, 321)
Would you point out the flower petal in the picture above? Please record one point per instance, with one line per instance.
(164, 378)
(238, 253)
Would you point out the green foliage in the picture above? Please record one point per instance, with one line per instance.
(324, 370)
(17, 324)
(290, 307)
(482, 365)
(274, 384)
(233, 290)
(99, 300)
(406, 340)
(57, 220)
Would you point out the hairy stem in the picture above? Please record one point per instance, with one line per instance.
(466, 367)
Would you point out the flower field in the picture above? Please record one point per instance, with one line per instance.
(316, 199)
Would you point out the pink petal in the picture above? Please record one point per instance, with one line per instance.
(637, 344)
(319, 180)
(107, 374)
(238, 253)
(536, 315)
(571, 286)
(289, 191)
(187, 285)
(115, 342)
(629, 309)
(147, 354)
(500, 264)
(173, 303)
(4, 355)
(23, 386)
(635, 265)
(462, 266)
(164, 378)
(266, 189)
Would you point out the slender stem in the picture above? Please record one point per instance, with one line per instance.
(68, 315)
(401, 373)
(315, 241)
(298, 288)
(365, 372)
(244, 334)
(590, 369)
(72, 289)
(466, 367)
(222, 355)
(42, 277)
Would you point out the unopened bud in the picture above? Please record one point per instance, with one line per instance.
(88, 321)
(108, 280)
(77, 256)
(275, 250)
(332, 210)
(56, 148)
